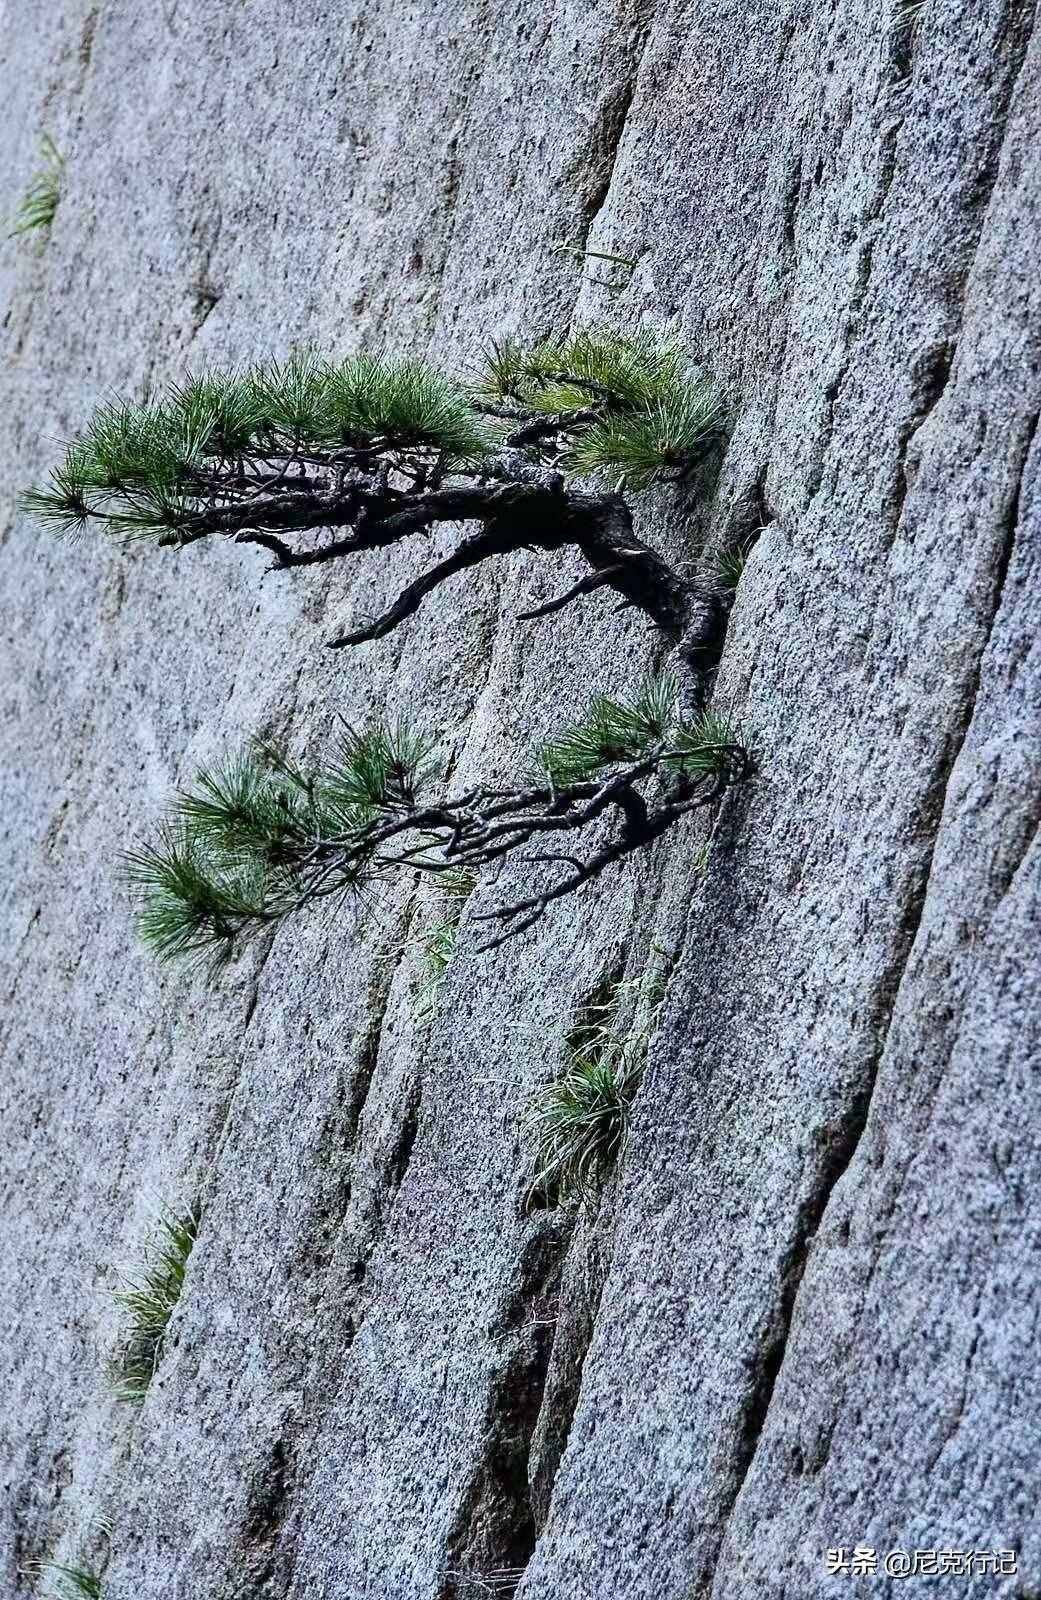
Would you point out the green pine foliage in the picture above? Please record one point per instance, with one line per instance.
(40, 201)
(703, 747)
(155, 470)
(406, 403)
(255, 837)
(148, 1296)
(574, 372)
(627, 730)
(167, 469)
(670, 432)
(653, 413)
(194, 900)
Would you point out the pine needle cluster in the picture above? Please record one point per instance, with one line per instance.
(257, 838)
(634, 728)
(275, 445)
(40, 201)
(148, 1296)
(642, 411)
(168, 470)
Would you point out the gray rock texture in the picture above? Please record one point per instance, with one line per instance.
(805, 1312)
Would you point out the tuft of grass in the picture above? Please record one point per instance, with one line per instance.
(578, 1124)
(40, 201)
(68, 1583)
(730, 564)
(148, 1296)
(438, 942)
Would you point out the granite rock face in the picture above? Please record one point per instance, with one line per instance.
(804, 1314)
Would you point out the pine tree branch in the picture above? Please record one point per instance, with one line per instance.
(531, 516)
(586, 585)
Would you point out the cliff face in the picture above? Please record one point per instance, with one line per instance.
(804, 1313)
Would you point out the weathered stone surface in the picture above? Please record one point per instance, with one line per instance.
(805, 1313)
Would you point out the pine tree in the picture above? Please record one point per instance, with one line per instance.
(317, 461)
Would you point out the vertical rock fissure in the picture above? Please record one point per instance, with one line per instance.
(613, 123)
(264, 1559)
(495, 1529)
(935, 366)
(842, 1150)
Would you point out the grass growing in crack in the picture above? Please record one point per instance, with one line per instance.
(577, 1126)
(148, 1296)
(40, 201)
(906, 18)
(438, 942)
(68, 1583)
(730, 564)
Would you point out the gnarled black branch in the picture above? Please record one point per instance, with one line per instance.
(258, 840)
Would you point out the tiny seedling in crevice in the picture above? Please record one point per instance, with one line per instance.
(67, 1583)
(564, 247)
(148, 1295)
(40, 201)
(578, 1124)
